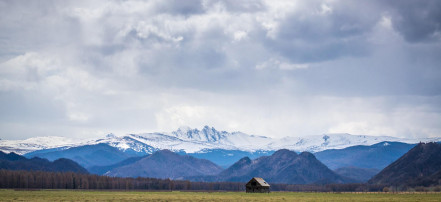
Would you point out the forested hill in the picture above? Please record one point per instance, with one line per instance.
(14, 161)
(166, 164)
(420, 166)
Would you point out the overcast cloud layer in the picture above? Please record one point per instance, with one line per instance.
(273, 68)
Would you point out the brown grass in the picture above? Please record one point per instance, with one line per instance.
(74, 195)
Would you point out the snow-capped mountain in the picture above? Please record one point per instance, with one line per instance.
(37, 143)
(194, 140)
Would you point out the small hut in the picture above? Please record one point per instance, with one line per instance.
(257, 185)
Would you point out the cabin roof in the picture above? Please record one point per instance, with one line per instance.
(260, 181)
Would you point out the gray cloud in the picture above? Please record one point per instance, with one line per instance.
(417, 21)
(237, 7)
(273, 68)
(323, 31)
(190, 7)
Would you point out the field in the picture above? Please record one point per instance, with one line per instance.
(63, 195)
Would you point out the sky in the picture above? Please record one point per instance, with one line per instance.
(274, 68)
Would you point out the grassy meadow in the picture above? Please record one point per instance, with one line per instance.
(63, 195)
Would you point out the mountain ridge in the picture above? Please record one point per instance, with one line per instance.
(166, 164)
(283, 166)
(188, 140)
(87, 155)
(376, 156)
(14, 161)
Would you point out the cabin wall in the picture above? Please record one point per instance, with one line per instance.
(257, 190)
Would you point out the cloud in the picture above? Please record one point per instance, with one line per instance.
(271, 68)
(315, 31)
(417, 21)
(275, 63)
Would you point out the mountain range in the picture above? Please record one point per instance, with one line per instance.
(283, 166)
(207, 139)
(421, 165)
(221, 147)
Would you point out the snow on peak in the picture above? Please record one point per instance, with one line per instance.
(110, 135)
(207, 134)
(37, 143)
(184, 129)
(195, 140)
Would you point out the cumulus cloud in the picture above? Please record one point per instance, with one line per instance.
(320, 30)
(275, 68)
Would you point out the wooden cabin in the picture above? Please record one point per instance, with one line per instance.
(257, 185)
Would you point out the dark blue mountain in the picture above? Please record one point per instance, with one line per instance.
(421, 166)
(100, 170)
(166, 164)
(226, 158)
(13, 161)
(358, 174)
(11, 156)
(283, 166)
(87, 156)
(101, 158)
(376, 156)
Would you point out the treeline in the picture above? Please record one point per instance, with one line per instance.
(69, 180)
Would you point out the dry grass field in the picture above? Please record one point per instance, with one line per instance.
(63, 195)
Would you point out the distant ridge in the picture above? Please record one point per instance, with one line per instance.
(358, 174)
(421, 164)
(87, 155)
(13, 161)
(100, 170)
(376, 156)
(190, 140)
(166, 164)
